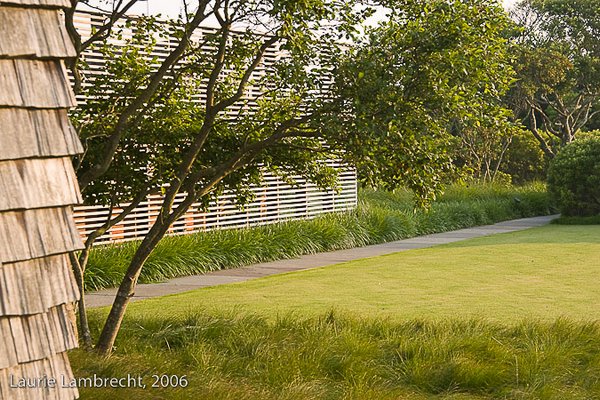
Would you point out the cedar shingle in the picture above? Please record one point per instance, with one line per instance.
(35, 286)
(34, 84)
(38, 3)
(34, 337)
(36, 133)
(30, 234)
(35, 279)
(33, 33)
(38, 183)
(55, 367)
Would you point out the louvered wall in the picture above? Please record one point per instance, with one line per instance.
(38, 189)
(275, 199)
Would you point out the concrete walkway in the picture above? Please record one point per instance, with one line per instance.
(178, 285)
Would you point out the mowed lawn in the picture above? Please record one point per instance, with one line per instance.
(539, 274)
(476, 320)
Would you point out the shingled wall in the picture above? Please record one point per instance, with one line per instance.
(38, 188)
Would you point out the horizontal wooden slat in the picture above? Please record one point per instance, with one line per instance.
(34, 33)
(36, 133)
(37, 233)
(275, 201)
(34, 84)
(35, 286)
(56, 367)
(38, 183)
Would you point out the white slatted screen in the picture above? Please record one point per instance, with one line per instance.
(275, 200)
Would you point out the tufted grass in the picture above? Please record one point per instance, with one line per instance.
(334, 356)
(509, 316)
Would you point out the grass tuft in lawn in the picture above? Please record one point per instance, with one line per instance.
(332, 356)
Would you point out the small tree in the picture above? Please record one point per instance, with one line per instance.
(120, 119)
(148, 152)
(275, 129)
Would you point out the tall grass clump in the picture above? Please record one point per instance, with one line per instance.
(245, 356)
(380, 217)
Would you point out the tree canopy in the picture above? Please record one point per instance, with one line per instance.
(557, 59)
(434, 72)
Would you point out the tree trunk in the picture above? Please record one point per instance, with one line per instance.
(127, 288)
(84, 328)
(79, 264)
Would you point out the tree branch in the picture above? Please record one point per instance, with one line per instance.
(130, 111)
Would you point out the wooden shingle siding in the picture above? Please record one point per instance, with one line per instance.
(36, 133)
(52, 4)
(35, 337)
(35, 286)
(37, 183)
(30, 234)
(34, 84)
(38, 188)
(57, 366)
(33, 33)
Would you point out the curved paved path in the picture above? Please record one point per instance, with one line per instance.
(178, 285)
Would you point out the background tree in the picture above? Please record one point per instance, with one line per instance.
(557, 59)
(437, 70)
(524, 161)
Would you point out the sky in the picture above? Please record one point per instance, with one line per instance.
(173, 7)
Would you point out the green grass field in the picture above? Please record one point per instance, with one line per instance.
(510, 316)
(536, 274)
(380, 217)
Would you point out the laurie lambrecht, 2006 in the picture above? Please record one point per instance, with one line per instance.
(94, 381)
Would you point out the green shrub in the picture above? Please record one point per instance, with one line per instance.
(574, 177)
(593, 220)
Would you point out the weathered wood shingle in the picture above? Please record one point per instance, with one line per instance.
(55, 366)
(33, 33)
(36, 133)
(35, 286)
(38, 183)
(34, 84)
(35, 337)
(38, 3)
(38, 187)
(30, 234)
